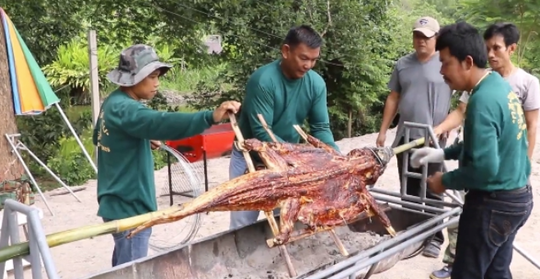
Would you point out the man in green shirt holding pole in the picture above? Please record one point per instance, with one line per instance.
(499, 200)
(122, 135)
(286, 92)
(501, 41)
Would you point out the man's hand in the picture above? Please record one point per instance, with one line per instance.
(426, 155)
(222, 112)
(435, 183)
(155, 144)
(437, 131)
(381, 139)
(440, 134)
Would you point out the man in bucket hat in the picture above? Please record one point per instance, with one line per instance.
(122, 135)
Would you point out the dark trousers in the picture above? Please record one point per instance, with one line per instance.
(414, 185)
(487, 228)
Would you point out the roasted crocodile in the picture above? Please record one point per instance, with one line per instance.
(313, 184)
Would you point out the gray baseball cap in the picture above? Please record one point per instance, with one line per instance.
(136, 63)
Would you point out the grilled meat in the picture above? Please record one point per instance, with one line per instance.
(313, 184)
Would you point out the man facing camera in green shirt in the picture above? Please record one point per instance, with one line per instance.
(285, 92)
(122, 135)
(499, 200)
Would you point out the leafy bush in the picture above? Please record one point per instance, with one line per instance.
(160, 159)
(72, 65)
(69, 162)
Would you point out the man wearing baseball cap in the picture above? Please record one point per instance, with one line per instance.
(419, 94)
(122, 135)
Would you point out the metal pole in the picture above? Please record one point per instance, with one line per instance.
(408, 204)
(13, 228)
(9, 139)
(384, 245)
(36, 235)
(76, 136)
(410, 198)
(44, 250)
(4, 236)
(35, 259)
(169, 174)
(392, 250)
(94, 79)
(205, 170)
(526, 256)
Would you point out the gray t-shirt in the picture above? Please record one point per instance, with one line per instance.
(525, 85)
(424, 96)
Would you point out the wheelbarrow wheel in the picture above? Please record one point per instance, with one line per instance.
(184, 181)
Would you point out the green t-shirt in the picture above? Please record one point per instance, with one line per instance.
(493, 153)
(283, 103)
(125, 177)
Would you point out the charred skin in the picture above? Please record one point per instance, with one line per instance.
(314, 185)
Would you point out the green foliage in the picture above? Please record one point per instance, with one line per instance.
(186, 81)
(256, 31)
(69, 162)
(45, 24)
(44, 134)
(160, 159)
(524, 13)
(72, 66)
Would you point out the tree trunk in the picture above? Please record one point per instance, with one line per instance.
(349, 124)
(10, 167)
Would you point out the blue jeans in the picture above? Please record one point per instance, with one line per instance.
(487, 228)
(127, 250)
(238, 167)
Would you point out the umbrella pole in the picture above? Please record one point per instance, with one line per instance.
(76, 137)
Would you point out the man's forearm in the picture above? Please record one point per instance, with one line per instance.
(531, 137)
(390, 110)
(453, 120)
(531, 118)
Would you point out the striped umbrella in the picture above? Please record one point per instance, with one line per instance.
(32, 93)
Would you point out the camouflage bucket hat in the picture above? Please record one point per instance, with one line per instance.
(136, 63)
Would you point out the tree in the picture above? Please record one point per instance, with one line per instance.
(10, 166)
(356, 57)
(525, 14)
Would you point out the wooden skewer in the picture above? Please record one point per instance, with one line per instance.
(300, 131)
(305, 233)
(338, 242)
(269, 214)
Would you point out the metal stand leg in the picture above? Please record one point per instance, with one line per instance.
(39, 249)
(15, 150)
(43, 165)
(205, 164)
(460, 202)
(169, 172)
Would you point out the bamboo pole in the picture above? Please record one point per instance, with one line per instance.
(59, 238)
(407, 146)
(64, 237)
